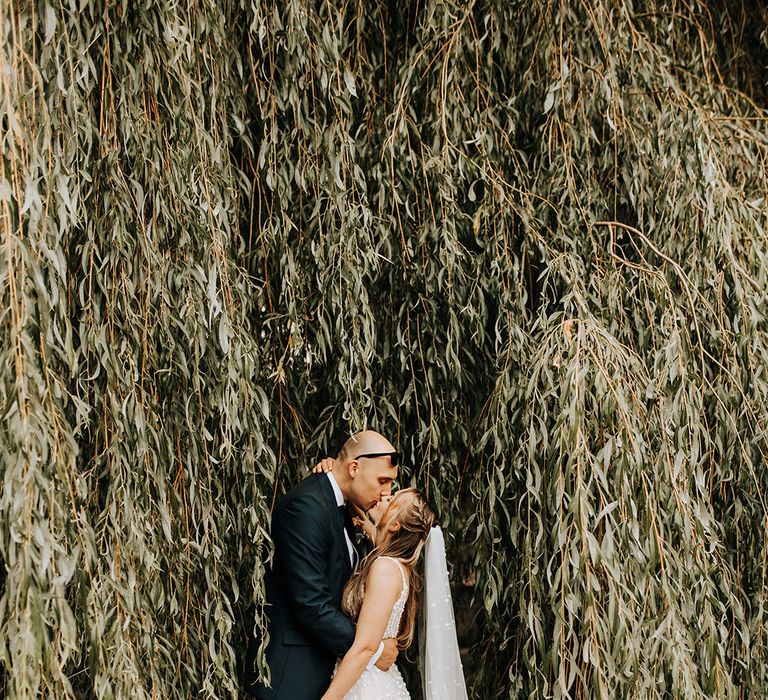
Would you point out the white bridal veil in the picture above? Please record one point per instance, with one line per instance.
(441, 672)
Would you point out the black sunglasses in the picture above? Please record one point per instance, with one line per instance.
(393, 456)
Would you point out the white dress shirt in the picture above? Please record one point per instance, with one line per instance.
(340, 502)
(352, 556)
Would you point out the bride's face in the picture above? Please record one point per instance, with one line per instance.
(379, 510)
(383, 514)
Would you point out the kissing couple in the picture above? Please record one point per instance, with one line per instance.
(338, 617)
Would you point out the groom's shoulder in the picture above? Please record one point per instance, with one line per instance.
(308, 492)
(304, 502)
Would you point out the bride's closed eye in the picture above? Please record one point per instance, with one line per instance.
(374, 514)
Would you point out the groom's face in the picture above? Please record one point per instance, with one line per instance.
(371, 480)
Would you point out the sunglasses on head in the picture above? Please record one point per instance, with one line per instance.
(393, 456)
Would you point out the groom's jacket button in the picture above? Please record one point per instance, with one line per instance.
(294, 637)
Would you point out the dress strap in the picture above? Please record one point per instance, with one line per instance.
(393, 626)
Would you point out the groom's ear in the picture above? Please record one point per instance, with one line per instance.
(352, 467)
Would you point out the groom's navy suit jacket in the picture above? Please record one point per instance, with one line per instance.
(307, 630)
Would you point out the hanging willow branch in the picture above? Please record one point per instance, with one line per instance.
(526, 240)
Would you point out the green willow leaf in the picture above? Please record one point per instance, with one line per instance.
(528, 241)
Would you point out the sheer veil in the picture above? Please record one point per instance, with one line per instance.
(441, 672)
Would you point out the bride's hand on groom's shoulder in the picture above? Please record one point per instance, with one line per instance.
(324, 466)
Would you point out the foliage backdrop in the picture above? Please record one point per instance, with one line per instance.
(527, 240)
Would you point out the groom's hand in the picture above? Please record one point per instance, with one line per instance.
(324, 466)
(388, 656)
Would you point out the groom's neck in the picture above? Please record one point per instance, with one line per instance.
(344, 482)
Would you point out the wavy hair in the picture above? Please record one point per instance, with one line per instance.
(406, 544)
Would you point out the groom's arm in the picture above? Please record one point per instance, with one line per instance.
(302, 537)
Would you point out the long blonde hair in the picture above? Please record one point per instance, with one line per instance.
(406, 544)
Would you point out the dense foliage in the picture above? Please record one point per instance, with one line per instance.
(526, 240)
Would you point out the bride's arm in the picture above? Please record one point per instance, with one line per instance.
(382, 588)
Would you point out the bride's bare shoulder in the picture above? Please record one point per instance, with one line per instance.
(385, 574)
(386, 564)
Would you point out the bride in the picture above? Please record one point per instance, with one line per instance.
(382, 597)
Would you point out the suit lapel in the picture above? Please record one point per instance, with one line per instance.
(338, 529)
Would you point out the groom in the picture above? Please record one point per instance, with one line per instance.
(314, 557)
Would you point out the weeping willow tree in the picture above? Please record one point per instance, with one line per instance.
(525, 240)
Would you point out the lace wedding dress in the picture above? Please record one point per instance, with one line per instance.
(375, 684)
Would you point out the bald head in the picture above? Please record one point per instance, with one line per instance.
(362, 478)
(364, 442)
